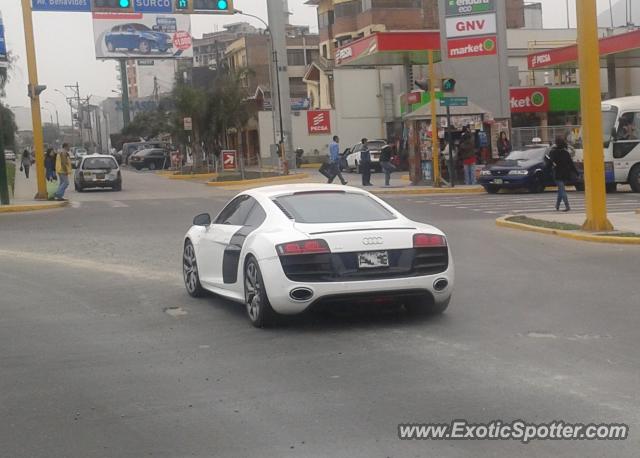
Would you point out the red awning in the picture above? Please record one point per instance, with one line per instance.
(626, 47)
(390, 48)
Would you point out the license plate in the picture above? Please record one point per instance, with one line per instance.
(100, 176)
(373, 259)
(498, 181)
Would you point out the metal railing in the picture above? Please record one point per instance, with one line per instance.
(522, 136)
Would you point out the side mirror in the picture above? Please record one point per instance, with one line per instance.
(203, 219)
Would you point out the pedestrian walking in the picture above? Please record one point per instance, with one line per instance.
(564, 170)
(504, 145)
(25, 163)
(334, 160)
(50, 165)
(365, 163)
(63, 169)
(467, 151)
(385, 163)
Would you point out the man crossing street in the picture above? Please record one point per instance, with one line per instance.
(63, 169)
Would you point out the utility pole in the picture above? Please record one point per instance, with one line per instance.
(36, 115)
(126, 115)
(278, 19)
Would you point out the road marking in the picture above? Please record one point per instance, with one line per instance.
(117, 204)
(75, 204)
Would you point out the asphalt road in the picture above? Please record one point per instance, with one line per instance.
(103, 354)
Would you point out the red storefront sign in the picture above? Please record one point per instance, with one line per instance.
(529, 99)
(472, 47)
(414, 97)
(229, 160)
(319, 121)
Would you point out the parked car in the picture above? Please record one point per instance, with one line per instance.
(152, 159)
(351, 159)
(137, 37)
(98, 171)
(132, 147)
(285, 249)
(9, 155)
(522, 169)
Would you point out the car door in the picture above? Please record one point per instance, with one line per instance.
(354, 157)
(217, 239)
(626, 146)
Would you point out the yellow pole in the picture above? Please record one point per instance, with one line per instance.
(36, 116)
(589, 65)
(435, 142)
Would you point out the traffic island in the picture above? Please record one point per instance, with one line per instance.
(566, 225)
(30, 207)
(256, 178)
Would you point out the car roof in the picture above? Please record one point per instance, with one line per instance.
(624, 103)
(270, 192)
(99, 156)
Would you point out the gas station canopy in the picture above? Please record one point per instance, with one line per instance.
(390, 48)
(625, 47)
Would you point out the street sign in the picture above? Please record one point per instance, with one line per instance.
(188, 124)
(229, 160)
(82, 6)
(460, 7)
(454, 101)
(153, 6)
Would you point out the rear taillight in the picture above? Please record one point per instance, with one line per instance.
(303, 247)
(429, 241)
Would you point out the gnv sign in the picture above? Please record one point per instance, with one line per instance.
(468, 26)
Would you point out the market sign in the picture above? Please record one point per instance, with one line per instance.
(468, 26)
(318, 122)
(460, 7)
(472, 47)
(529, 100)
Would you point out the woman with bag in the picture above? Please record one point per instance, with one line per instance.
(25, 163)
(564, 170)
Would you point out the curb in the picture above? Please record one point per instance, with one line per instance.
(428, 191)
(284, 178)
(32, 207)
(312, 165)
(581, 236)
(195, 176)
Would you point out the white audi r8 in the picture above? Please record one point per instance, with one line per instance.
(284, 249)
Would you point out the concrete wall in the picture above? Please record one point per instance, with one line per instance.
(301, 137)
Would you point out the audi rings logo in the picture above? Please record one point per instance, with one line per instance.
(372, 241)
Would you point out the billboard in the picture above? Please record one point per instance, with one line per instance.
(3, 44)
(138, 36)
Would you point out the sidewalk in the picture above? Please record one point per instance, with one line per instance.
(24, 193)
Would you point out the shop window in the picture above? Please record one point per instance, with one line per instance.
(348, 9)
(325, 19)
(295, 57)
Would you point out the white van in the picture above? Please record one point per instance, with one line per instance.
(621, 127)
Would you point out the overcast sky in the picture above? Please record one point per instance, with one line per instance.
(65, 48)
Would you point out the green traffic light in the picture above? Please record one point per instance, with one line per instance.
(223, 4)
(125, 3)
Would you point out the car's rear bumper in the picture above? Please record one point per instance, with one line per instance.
(279, 288)
(99, 184)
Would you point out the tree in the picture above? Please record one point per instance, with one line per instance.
(148, 125)
(191, 102)
(8, 131)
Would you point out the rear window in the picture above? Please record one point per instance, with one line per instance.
(333, 207)
(99, 163)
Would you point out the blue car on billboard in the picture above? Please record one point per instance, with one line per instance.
(137, 37)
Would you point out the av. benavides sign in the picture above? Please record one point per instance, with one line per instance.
(460, 7)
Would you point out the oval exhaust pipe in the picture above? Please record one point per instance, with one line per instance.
(301, 294)
(440, 284)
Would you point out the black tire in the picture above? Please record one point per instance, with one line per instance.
(190, 271)
(611, 188)
(426, 307)
(152, 165)
(259, 310)
(537, 187)
(634, 178)
(144, 47)
(579, 187)
(137, 167)
(118, 187)
(78, 188)
(492, 189)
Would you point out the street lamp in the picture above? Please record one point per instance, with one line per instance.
(274, 56)
(57, 116)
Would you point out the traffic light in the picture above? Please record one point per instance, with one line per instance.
(182, 5)
(448, 85)
(213, 6)
(35, 91)
(112, 6)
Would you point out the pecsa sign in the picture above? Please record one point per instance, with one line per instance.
(529, 100)
(319, 121)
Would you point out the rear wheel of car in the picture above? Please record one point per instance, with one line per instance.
(611, 188)
(137, 167)
(426, 306)
(145, 47)
(259, 309)
(634, 178)
(190, 271)
(492, 188)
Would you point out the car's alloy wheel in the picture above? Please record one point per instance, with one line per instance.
(190, 271)
(259, 310)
